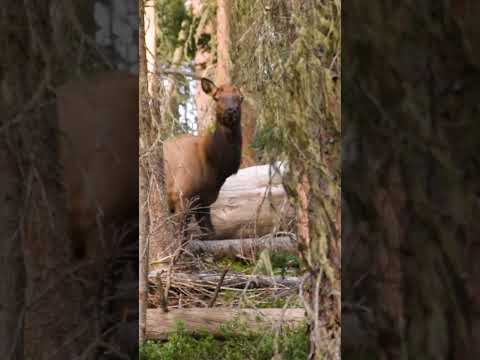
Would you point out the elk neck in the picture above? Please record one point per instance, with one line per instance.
(224, 149)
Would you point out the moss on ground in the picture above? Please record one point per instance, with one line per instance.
(237, 343)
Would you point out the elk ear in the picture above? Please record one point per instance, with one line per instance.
(208, 86)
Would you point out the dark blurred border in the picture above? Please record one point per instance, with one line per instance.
(47, 310)
(411, 145)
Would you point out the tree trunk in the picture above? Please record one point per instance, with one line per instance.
(169, 103)
(203, 63)
(162, 238)
(12, 286)
(144, 220)
(150, 43)
(143, 252)
(46, 253)
(41, 224)
(245, 248)
(224, 76)
(203, 66)
(152, 127)
(288, 54)
(411, 177)
(249, 123)
(199, 319)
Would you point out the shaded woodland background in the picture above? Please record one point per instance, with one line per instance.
(47, 310)
(410, 274)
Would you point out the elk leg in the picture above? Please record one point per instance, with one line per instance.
(182, 215)
(185, 221)
(204, 220)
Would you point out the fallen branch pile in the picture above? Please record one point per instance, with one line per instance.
(210, 279)
(198, 289)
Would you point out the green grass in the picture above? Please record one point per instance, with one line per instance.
(267, 263)
(281, 260)
(277, 262)
(280, 302)
(236, 265)
(237, 343)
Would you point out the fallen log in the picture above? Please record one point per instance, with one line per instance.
(196, 320)
(209, 280)
(251, 204)
(242, 247)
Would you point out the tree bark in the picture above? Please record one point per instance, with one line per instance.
(249, 124)
(222, 71)
(143, 253)
(169, 103)
(411, 233)
(12, 286)
(162, 240)
(46, 253)
(223, 74)
(41, 222)
(203, 63)
(150, 43)
(144, 219)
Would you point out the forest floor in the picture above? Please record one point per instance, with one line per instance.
(269, 280)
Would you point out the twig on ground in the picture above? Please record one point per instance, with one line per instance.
(217, 289)
(161, 293)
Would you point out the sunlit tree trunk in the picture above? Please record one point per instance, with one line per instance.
(150, 42)
(143, 248)
(203, 62)
(154, 108)
(168, 98)
(224, 76)
(410, 175)
(220, 71)
(223, 73)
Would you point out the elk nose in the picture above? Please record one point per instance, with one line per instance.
(231, 112)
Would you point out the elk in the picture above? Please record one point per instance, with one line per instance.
(98, 122)
(196, 167)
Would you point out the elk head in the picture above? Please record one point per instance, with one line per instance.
(228, 100)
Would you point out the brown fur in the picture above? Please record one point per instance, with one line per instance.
(98, 120)
(197, 166)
